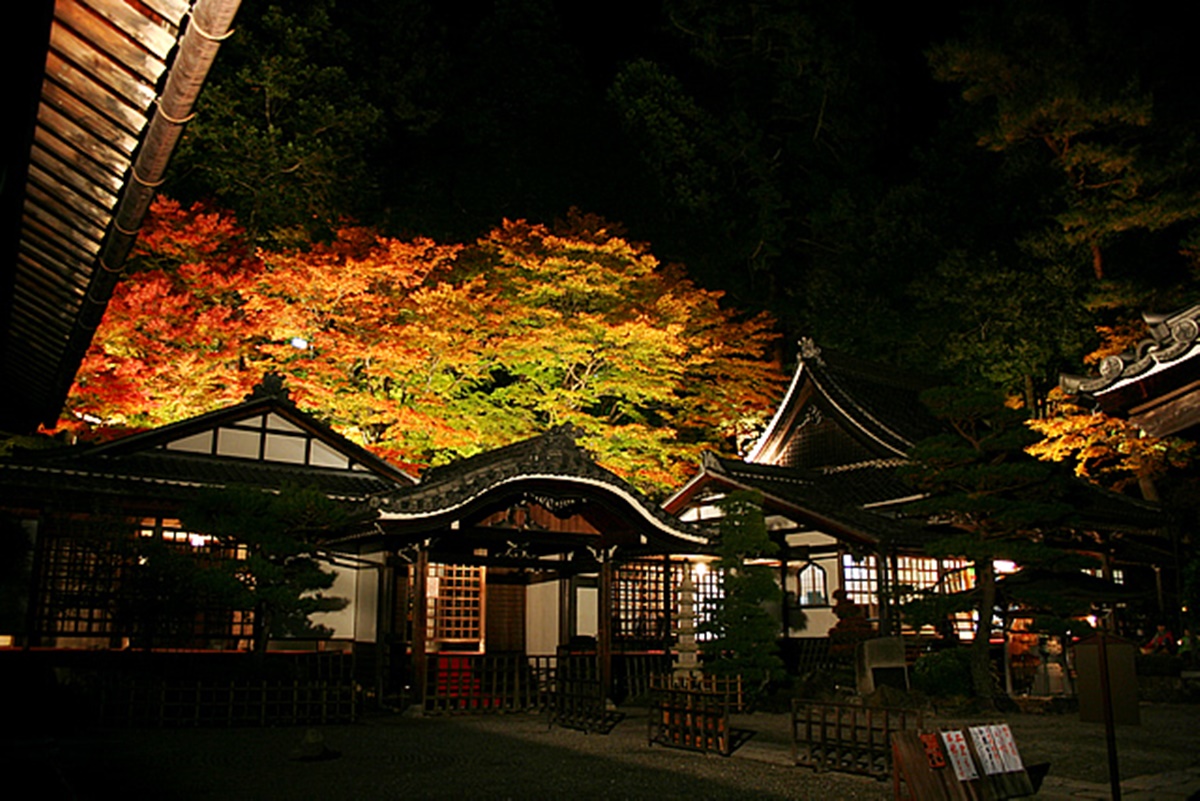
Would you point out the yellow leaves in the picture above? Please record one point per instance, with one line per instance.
(1107, 450)
(428, 352)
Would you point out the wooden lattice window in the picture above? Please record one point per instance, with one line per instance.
(456, 603)
(916, 573)
(707, 592)
(78, 585)
(957, 575)
(860, 581)
(94, 581)
(812, 585)
(640, 601)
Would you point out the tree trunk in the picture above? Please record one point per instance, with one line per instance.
(981, 662)
(262, 626)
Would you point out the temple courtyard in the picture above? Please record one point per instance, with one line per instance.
(521, 756)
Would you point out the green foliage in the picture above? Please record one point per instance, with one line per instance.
(992, 500)
(944, 674)
(278, 575)
(282, 132)
(1066, 90)
(745, 634)
(428, 353)
(15, 564)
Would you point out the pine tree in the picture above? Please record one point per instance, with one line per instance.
(744, 633)
(279, 576)
(991, 500)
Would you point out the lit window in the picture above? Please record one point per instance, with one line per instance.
(811, 585)
(860, 580)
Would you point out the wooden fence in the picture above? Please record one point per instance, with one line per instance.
(692, 719)
(847, 737)
(727, 690)
(469, 683)
(579, 698)
(173, 690)
(229, 702)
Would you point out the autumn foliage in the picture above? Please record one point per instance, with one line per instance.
(427, 352)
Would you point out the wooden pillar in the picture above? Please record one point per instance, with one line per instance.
(567, 590)
(419, 624)
(882, 565)
(668, 604)
(604, 626)
(785, 609)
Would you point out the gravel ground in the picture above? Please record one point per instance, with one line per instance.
(520, 756)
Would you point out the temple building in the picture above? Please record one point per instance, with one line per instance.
(1154, 384)
(531, 550)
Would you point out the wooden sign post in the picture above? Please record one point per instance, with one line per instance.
(979, 763)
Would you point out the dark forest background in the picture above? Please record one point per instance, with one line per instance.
(969, 193)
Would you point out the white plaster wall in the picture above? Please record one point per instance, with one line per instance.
(360, 586)
(366, 600)
(587, 602)
(541, 618)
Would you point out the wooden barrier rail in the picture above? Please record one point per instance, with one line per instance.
(579, 698)
(847, 737)
(489, 683)
(691, 719)
(727, 689)
(230, 702)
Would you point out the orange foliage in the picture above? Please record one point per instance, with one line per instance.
(427, 352)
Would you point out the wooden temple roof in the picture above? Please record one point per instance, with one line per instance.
(263, 442)
(551, 471)
(99, 97)
(853, 505)
(839, 411)
(1157, 383)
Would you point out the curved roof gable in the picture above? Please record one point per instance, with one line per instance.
(552, 464)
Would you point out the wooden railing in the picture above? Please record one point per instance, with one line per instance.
(169, 690)
(230, 702)
(847, 737)
(580, 701)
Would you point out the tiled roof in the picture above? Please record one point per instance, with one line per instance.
(140, 464)
(1174, 339)
(552, 460)
(876, 410)
(839, 501)
(111, 84)
(167, 474)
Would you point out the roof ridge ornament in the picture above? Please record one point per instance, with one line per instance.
(810, 350)
(271, 386)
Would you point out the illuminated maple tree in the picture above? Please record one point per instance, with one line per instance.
(1106, 450)
(428, 352)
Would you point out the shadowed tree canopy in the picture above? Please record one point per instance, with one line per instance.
(274, 569)
(992, 500)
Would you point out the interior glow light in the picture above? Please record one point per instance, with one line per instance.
(700, 569)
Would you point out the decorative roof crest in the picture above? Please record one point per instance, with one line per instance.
(810, 350)
(271, 386)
